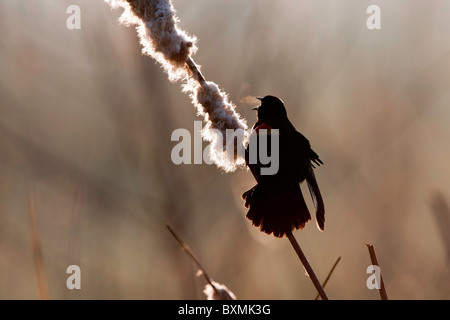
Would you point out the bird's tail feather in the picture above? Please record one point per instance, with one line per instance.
(279, 216)
(317, 199)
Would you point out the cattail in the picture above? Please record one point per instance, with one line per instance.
(224, 128)
(213, 290)
(160, 37)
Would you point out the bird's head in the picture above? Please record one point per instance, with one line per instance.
(271, 107)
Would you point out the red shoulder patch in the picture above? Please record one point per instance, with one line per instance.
(262, 126)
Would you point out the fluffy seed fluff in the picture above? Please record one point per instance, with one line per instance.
(160, 37)
(224, 127)
(220, 293)
(157, 26)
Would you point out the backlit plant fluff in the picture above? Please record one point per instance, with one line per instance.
(160, 37)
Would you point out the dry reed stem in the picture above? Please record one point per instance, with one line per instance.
(74, 252)
(374, 259)
(191, 254)
(36, 247)
(308, 268)
(441, 212)
(329, 275)
(196, 74)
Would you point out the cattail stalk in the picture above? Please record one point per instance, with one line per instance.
(441, 213)
(196, 74)
(329, 276)
(308, 268)
(191, 254)
(213, 290)
(36, 247)
(373, 258)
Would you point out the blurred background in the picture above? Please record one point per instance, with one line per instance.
(86, 176)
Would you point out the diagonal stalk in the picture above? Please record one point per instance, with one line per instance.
(329, 276)
(308, 268)
(36, 246)
(373, 258)
(191, 254)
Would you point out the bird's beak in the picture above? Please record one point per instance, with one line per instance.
(256, 108)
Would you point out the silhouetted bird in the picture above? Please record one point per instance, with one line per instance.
(276, 203)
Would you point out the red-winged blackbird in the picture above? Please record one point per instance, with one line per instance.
(276, 203)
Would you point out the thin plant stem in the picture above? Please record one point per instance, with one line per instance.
(192, 66)
(191, 254)
(329, 275)
(36, 247)
(441, 212)
(373, 258)
(308, 268)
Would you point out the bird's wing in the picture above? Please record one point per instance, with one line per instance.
(311, 181)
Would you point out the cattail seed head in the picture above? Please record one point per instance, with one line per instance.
(160, 37)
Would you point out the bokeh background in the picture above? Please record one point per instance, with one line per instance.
(86, 176)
